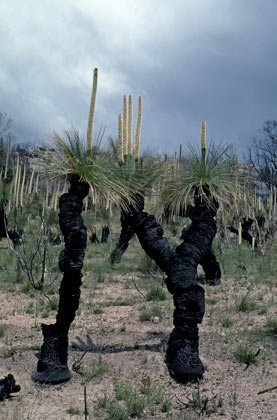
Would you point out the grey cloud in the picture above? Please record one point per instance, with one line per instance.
(215, 62)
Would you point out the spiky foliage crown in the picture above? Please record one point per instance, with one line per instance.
(75, 157)
(212, 174)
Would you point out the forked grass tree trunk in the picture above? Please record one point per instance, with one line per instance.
(209, 263)
(180, 266)
(52, 365)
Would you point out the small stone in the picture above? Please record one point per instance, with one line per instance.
(156, 320)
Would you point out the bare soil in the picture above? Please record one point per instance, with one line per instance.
(134, 353)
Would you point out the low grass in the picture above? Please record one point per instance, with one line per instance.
(147, 313)
(243, 353)
(96, 368)
(239, 320)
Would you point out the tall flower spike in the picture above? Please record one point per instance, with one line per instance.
(130, 125)
(203, 139)
(124, 126)
(16, 178)
(7, 160)
(91, 110)
(138, 127)
(120, 141)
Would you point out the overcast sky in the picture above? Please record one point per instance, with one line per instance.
(191, 60)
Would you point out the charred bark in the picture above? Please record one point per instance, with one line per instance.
(52, 364)
(208, 261)
(211, 268)
(8, 386)
(105, 234)
(127, 229)
(15, 234)
(246, 233)
(180, 266)
(3, 223)
(126, 234)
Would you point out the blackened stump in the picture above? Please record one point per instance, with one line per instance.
(8, 386)
(52, 365)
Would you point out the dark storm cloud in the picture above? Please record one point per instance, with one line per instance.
(190, 60)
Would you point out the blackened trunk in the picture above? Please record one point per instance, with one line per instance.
(126, 234)
(211, 268)
(52, 365)
(105, 234)
(180, 267)
(209, 263)
(3, 222)
(246, 233)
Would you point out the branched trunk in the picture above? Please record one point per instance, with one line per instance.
(52, 364)
(180, 267)
(208, 261)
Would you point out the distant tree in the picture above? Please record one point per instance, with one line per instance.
(263, 154)
(5, 125)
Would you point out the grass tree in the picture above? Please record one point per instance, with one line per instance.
(139, 173)
(84, 166)
(204, 181)
(210, 177)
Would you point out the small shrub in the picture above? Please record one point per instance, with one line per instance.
(204, 404)
(156, 293)
(147, 265)
(45, 314)
(211, 301)
(97, 368)
(8, 352)
(26, 287)
(53, 304)
(135, 405)
(97, 311)
(115, 411)
(148, 313)
(51, 290)
(226, 322)
(99, 275)
(166, 405)
(272, 325)
(145, 315)
(128, 301)
(30, 308)
(2, 330)
(246, 304)
(244, 354)
(73, 411)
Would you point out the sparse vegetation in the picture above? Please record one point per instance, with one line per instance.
(127, 311)
(244, 354)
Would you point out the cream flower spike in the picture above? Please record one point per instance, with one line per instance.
(91, 110)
